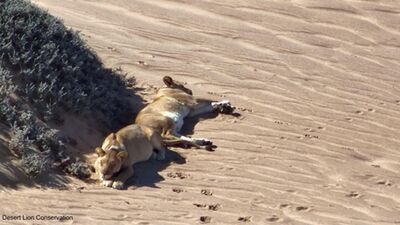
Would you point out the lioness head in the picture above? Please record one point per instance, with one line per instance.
(109, 162)
(176, 85)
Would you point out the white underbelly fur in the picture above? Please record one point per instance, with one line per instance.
(177, 117)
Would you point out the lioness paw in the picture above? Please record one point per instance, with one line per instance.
(108, 183)
(202, 141)
(220, 104)
(224, 107)
(118, 185)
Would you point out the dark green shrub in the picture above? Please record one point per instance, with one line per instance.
(45, 69)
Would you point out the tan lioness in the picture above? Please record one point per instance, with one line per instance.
(171, 105)
(119, 151)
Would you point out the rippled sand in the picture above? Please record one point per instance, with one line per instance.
(316, 83)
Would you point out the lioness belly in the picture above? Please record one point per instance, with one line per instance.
(177, 118)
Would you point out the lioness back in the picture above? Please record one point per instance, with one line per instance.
(154, 114)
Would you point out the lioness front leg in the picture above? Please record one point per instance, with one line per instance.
(158, 155)
(158, 145)
(122, 177)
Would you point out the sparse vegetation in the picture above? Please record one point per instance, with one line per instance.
(46, 69)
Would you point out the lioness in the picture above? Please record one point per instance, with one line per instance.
(171, 105)
(119, 151)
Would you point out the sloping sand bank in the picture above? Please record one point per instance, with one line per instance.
(316, 82)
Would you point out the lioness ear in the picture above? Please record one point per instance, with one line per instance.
(100, 152)
(122, 154)
(168, 81)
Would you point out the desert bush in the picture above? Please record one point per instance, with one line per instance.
(46, 69)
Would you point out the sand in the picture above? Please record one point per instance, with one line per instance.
(315, 82)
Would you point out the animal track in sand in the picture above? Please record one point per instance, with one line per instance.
(377, 180)
(205, 219)
(206, 192)
(112, 49)
(284, 206)
(273, 218)
(359, 112)
(212, 207)
(244, 109)
(308, 136)
(303, 208)
(179, 175)
(311, 136)
(353, 194)
(281, 122)
(309, 129)
(244, 219)
(142, 63)
(178, 190)
(384, 182)
(216, 94)
(200, 205)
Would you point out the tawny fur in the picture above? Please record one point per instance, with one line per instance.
(120, 151)
(165, 114)
(157, 126)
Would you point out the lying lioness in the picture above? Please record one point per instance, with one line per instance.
(121, 150)
(171, 105)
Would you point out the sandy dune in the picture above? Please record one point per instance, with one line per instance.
(316, 82)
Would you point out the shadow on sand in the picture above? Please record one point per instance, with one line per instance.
(12, 175)
(147, 173)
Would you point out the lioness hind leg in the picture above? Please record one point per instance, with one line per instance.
(174, 141)
(197, 141)
(206, 106)
(203, 107)
(160, 155)
(123, 175)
